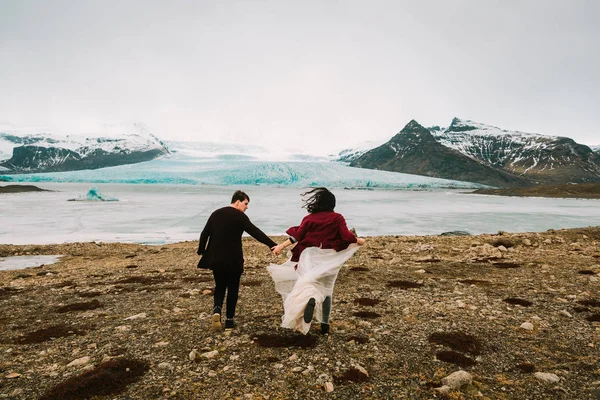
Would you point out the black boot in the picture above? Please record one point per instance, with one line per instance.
(229, 323)
(324, 329)
(309, 310)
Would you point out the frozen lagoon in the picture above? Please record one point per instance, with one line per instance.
(161, 213)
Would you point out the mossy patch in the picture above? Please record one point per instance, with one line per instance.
(506, 265)
(351, 375)
(107, 379)
(83, 306)
(302, 341)
(518, 302)
(364, 301)
(455, 358)
(404, 284)
(458, 341)
(49, 333)
(366, 314)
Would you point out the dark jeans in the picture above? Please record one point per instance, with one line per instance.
(230, 281)
(326, 309)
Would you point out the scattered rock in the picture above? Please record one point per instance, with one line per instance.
(457, 379)
(528, 326)
(78, 362)
(546, 377)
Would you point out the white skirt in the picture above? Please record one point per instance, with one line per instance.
(315, 277)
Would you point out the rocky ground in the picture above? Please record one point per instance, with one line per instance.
(517, 313)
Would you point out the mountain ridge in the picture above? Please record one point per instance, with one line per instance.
(22, 152)
(497, 157)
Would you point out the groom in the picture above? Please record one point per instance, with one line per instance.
(223, 255)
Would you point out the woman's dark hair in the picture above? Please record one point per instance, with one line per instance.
(239, 195)
(320, 199)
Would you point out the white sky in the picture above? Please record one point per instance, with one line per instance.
(317, 76)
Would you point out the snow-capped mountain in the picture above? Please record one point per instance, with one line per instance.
(34, 150)
(595, 148)
(541, 158)
(475, 152)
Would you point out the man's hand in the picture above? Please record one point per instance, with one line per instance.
(277, 249)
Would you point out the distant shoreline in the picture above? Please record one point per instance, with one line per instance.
(21, 189)
(581, 191)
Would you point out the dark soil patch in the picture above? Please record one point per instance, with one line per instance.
(429, 260)
(146, 280)
(251, 283)
(197, 279)
(64, 284)
(590, 303)
(526, 367)
(518, 302)
(594, 318)
(359, 269)
(89, 305)
(586, 272)
(8, 291)
(363, 301)
(132, 266)
(359, 339)
(89, 294)
(476, 282)
(506, 242)
(351, 375)
(581, 309)
(44, 273)
(366, 314)
(455, 358)
(457, 341)
(22, 276)
(130, 255)
(404, 284)
(107, 379)
(302, 341)
(506, 265)
(45, 334)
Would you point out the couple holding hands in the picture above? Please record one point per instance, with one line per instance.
(305, 281)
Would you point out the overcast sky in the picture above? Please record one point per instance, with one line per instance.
(312, 75)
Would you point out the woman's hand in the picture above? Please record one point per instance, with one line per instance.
(360, 241)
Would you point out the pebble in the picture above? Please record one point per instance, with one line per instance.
(328, 387)
(457, 379)
(210, 354)
(136, 316)
(13, 375)
(193, 355)
(546, 377)
(298, 369)
(164, 365)
(565, 313)
(79, 361)
(528, 326)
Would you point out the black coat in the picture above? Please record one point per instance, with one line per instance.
(223, 233)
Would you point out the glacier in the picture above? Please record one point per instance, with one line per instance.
(195, 163)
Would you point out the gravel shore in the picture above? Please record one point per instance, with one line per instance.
(504, 316)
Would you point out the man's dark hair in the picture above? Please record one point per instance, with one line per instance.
(239, 195)
(321, 199)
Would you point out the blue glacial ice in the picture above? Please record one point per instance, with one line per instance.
(94, 194)
(197, 165)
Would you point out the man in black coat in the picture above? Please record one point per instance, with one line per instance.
(223, 255)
